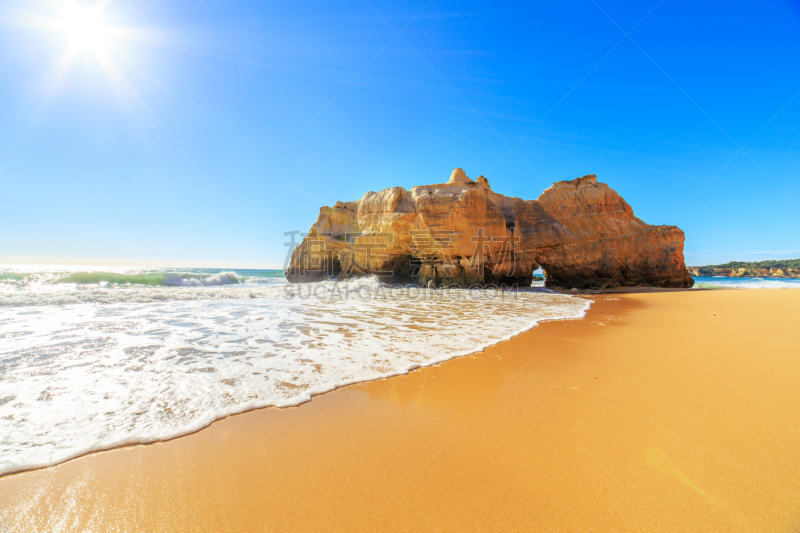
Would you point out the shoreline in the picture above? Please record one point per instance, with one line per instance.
(571, 424)
(427, 364)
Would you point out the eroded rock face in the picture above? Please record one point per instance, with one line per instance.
(581, 232)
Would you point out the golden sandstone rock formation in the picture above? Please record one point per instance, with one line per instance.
(581, 232)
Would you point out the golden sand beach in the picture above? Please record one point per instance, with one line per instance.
(660, 411)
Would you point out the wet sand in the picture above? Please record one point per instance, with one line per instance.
(660, 411)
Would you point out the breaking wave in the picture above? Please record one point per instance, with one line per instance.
(63, 287)
(166, 279)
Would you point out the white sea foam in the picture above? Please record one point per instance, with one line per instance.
(89, 367)
(182, 280)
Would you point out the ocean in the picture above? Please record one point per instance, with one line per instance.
(96, 357)
(719, 282)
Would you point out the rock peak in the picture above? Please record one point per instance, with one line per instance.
(459, 176)
(588, 178)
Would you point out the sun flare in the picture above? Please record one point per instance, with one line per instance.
(83, 35)
(85, 29)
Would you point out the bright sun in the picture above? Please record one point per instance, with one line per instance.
(81, 32)
(85, 28)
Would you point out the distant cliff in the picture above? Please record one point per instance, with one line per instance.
(781, 268)
(461, 233)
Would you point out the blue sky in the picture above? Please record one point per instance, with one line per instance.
(195, 135)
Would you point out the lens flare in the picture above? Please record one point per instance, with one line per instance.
(82, 35)
(85, 28)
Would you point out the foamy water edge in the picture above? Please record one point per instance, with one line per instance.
(208, 419)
